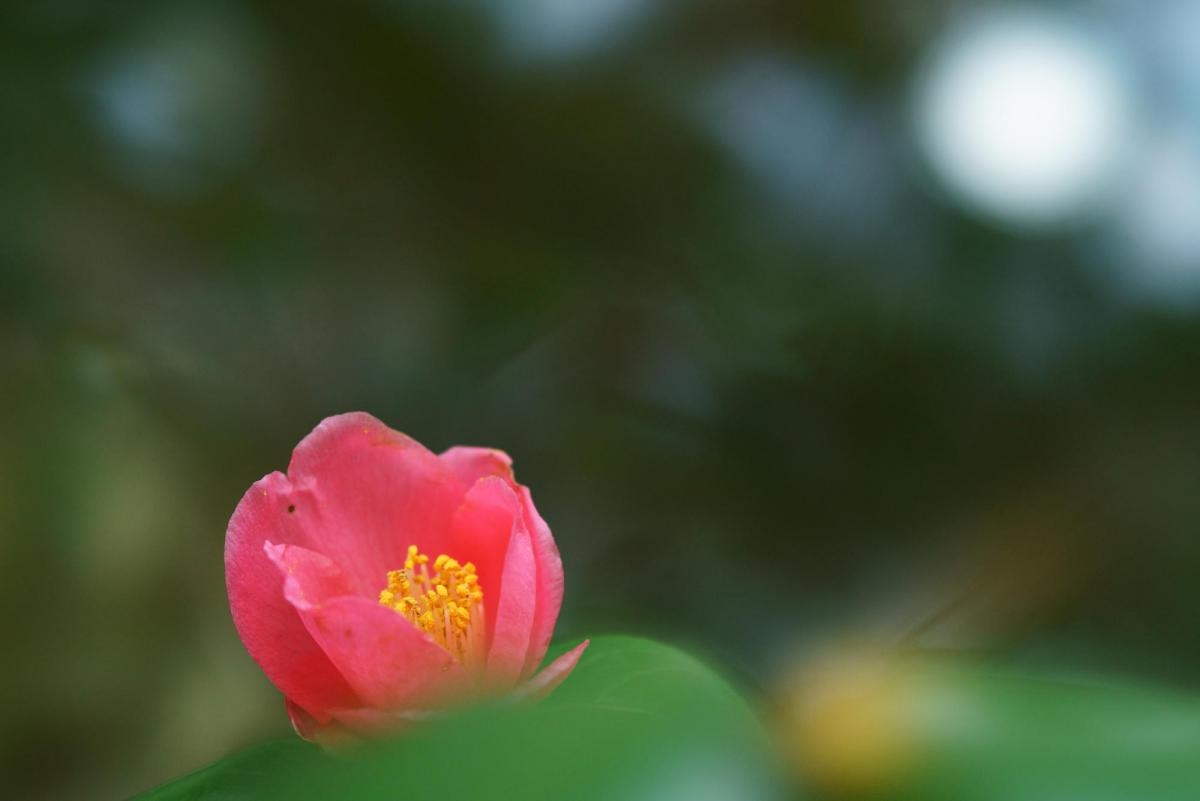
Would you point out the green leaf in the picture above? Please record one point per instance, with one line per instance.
(991, 734)
(923, 729)
(242, 776)
(636, 719)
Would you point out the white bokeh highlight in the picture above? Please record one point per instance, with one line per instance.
(1026, 116)
(553, 30)
(1155, 237)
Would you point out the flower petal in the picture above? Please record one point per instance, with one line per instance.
(269, 626)
(309, 578)
(552, 675)
(366, 493)
(549, 583)
(480, 533)
(514, 612)
(471, 464)
(387, 660)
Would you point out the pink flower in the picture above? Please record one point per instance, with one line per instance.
(378, 582)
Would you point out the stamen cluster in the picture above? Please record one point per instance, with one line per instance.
(446, 602)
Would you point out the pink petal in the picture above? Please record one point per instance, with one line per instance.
(471, 464)
(480, 533)
(552, 675)
(268, 625)
(549, 583)
(309, 578)
(387, 660)
(364, 493)
(514, 612)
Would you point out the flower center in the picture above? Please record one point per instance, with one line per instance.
(446, 602)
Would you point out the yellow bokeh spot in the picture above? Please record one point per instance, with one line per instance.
(844, 722)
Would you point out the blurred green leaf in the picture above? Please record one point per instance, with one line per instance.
(244, 775)
(636, 719)
(931, 730)
(994, 735)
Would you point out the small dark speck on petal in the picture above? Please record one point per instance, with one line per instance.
(291, 508)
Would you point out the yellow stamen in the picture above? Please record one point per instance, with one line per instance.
(446, 603)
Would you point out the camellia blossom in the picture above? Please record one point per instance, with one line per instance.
(377, 582)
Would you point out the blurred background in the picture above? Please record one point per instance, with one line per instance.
(807, 323)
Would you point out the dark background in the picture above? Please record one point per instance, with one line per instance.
(773, 383)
